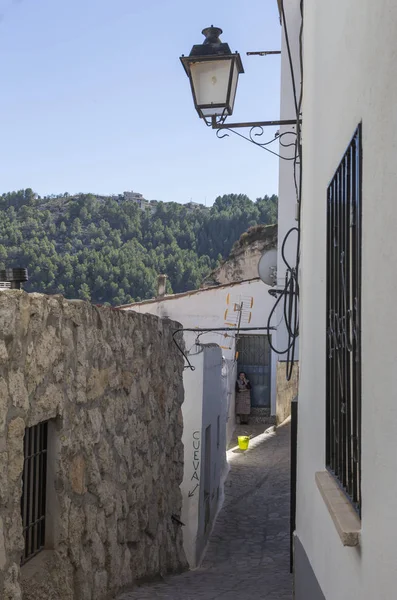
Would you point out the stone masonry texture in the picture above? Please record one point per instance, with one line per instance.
(286, 390)
(242, 263)
(110, 385)
(248, 554)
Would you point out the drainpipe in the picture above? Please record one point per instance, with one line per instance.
(161, 285)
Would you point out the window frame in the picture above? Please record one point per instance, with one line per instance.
(343, 322)
(34, 489)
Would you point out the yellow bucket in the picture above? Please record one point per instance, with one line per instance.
(243, 442)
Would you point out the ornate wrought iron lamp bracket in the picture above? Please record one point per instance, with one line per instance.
(256, 130)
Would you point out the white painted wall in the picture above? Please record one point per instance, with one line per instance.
(214, 307)
(192, 409)
(214, 406)
(287, 191)
(229, 376)
(205, 401)
(350, 53)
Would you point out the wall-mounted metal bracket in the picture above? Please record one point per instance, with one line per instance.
(216, 125)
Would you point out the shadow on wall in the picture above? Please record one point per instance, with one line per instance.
(286, 390)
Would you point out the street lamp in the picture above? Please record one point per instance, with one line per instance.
(213, 72)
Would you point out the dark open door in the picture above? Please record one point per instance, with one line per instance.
(254, 358)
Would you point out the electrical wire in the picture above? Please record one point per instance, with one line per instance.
(290, 294)
(189, 364)
(289, 56)
(280, 136)
(202, 331)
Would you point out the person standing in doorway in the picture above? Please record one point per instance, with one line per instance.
(243, 398)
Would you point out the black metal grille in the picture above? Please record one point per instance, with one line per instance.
(33, 501)
(343, 389)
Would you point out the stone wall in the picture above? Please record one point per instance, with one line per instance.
(110, 384)
(286, 390)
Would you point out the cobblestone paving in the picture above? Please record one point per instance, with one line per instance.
(248, 554)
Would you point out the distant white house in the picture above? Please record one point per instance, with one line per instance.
(209, 406)
(141, 202)
(136, 196)
(234, 306)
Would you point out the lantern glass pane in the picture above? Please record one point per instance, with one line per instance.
(234, 85)
(210, 81)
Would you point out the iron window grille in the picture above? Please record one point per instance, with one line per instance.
(343, 362)
(34, 484)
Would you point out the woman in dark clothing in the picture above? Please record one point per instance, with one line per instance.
(243, 398)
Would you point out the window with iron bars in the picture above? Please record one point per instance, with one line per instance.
(343, 361)
(34, 489)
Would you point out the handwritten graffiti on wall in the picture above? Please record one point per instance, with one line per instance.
(195, 479)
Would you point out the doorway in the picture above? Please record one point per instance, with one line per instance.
(254, 358)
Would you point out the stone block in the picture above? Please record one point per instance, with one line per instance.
(100, 583)
(3, 352)
(97, 383)
(4, 404)
(12, 589)
(77, 475)
(95, 424)
(47, 405)
(16, 432)
(3, 559)
(133, 528)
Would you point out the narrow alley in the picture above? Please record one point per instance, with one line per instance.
(248, 555)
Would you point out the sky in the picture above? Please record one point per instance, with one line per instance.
(94, 98)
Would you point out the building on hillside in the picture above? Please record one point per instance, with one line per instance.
(344, 543)
(193, 206)
(135, 196)
(141, 202)
(153, 205)
(232, 307)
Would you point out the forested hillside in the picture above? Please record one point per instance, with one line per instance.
(107, 249)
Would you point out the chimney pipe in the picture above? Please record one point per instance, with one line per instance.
(161, 285)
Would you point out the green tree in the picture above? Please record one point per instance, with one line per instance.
(84, 292)
(110, 251)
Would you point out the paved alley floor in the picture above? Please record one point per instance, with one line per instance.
(248, 555)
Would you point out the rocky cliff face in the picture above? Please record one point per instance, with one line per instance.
(109, 384)
(243, 260)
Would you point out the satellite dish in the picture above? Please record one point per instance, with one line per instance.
(267, 267)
